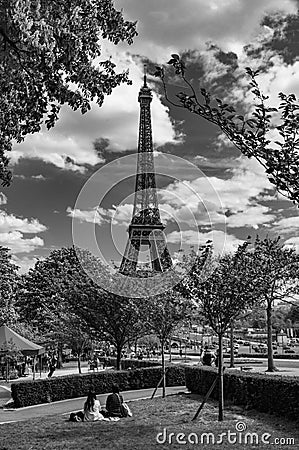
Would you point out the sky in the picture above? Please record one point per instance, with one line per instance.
(75, 183)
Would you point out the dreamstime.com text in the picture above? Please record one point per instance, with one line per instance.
(239, 436)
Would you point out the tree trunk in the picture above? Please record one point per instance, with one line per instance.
(271, 366)
(163, 369)
(79, 362)
(232, 355)
(59, 355)
(220, 376)
(170, 354)
(118, 358)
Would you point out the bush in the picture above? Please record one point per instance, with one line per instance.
(264, 355)
(129, 363)
(25, 393)
(266, 393)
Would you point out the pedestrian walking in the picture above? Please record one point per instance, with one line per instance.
(53, 365)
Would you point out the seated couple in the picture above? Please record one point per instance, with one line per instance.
(92, 408)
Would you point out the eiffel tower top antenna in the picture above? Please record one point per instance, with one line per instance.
(144, 74)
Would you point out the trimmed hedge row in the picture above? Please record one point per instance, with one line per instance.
(265, 393)
(26, 393)
(264, 355)
(130, 363)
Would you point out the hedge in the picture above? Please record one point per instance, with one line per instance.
(271, 394)
(130, 363)
(26, 393)
(264, 355)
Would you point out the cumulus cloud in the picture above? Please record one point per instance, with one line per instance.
(172, 25)
(9, 222)
(24, 263)
(3, 199)
(292, 243)
(95, 215)
(207, 200)
(252, 217)
(287, 225)
(16, 242)
(69, 145)
(13, 228)
(222, 242)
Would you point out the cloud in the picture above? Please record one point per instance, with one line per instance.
(9, 222)
(222, 242)
(292, 242)
(69, 145)
(38, 177)
(52, 147)
(252, 216)
(25, 263)
(173, 26)
(16, 242)
(206, 200)
(287, 225)
(12, 230)
(3, 199)
(95, 215)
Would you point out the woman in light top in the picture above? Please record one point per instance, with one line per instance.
(92, 408)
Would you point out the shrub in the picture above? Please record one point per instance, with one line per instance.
(130, 363)
(25, 393)
(266, 393)
(264, 355)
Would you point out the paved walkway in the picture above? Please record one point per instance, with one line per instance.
(65, 407)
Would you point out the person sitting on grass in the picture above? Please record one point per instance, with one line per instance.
(92, 408)
(113, 402)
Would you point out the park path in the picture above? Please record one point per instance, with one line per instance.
(64, 407)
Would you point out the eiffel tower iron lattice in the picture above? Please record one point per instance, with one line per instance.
(146, 227)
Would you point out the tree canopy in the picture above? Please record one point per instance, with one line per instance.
(49, 56)
(276, 272)
(8, 287)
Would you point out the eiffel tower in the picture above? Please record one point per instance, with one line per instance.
(146, 227)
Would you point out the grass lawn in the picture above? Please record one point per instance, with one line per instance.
(150, 417)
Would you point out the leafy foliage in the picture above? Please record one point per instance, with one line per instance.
(49, 53)
(45, 293)
(8, 288)
(250, 133)
(229, 290)
(276, 269)
(119, 320)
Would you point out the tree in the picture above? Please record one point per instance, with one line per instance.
(77, 337)
(222, 296)
(119, 320)
(276, 269)
(250, 132)
(49, 53)
(45, 299)
(165, 313)
(8, 288)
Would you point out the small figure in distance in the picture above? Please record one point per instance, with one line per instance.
(113, 402)
(92, 408)
(207, 358)
(52, 366)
